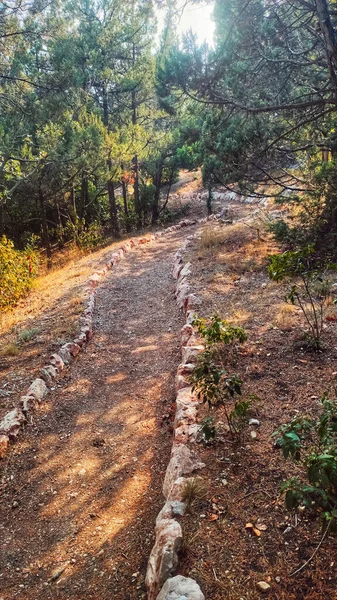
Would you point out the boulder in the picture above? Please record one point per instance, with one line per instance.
(163, 559)
(186, 433)
(11, 423)
(94, 279)
(57, 362)
(187, 406)
(171, 509)
(178, 265)
(37, 389)
(65, 355)
(81, 339)
(180, 588)
(185, 271)
(183, 462)
(186, 333)
(48, 374)
(190, 353)
(72, 348)
(192, 302)
(183, 292)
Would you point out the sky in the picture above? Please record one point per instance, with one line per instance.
(197, 18)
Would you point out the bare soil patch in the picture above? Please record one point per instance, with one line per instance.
(242, 478)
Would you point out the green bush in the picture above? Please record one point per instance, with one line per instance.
(308, 287)
(210, 378)
(313, 444)
(17, 270)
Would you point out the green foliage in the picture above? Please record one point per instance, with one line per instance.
(27, 334)
(219, 331)
(308, 287)
(212, 383)
(239, 416)
(210, 378)
(17, 270)
(208, 429)
(312, 443)
(91, 237)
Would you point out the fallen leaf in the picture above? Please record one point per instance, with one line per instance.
(213, 517)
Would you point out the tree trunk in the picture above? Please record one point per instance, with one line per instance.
(157, 183)
(84, 195)
(138, 208)
(110, 186)
(126, 208)
(44, 228)
(113, 210)
(330, 40)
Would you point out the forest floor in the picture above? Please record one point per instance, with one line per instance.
(243, 475)
(80, 491)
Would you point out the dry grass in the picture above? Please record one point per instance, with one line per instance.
(286, 317)
(194, 490)
(10, 350)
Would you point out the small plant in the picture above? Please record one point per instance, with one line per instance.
(10, 350)
(194, 489)
(210, 378)
(27, 334)
(309, 289)
(239, 416)
(219, 331)
(208, 429)
(313, 443)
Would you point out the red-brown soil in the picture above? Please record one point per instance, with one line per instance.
(242, 477)
(82, 488)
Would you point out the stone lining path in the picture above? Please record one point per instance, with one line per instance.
(81, 490)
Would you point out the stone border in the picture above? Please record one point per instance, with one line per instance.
(164, 558)
(13, 422)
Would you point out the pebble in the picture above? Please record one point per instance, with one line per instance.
(15, 504)
(277, 579)
(254, 422)
(253, 435)
(263, 586)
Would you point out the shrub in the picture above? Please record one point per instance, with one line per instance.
(313, 444)
(210, 378)
(17, 270)
(308, 287)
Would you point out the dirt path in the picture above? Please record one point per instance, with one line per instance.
(80, 492)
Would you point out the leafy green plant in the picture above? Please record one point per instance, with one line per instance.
(17, 270)
(208, 429)
(219, 331)
(308, 287)
(210, 378)
(313, 444)
(239, 416)
(27, 334)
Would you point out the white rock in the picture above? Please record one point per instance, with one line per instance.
(263, 586)
(180, 588)
(183, 462)
(37, 389)
(163, 559)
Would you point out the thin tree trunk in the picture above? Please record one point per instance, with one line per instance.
(44, 228)
(110, 186)
(155, 206)
(138, 207)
